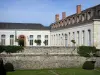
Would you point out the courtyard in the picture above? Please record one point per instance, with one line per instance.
(61, 71)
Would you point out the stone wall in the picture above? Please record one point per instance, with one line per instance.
(40, 58)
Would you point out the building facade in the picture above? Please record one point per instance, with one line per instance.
(11, 32)
(83, 27)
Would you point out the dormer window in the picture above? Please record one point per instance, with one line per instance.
(69, 21)
(54, 26)
(73, 20)
(88, 15)
(83, 17)
(98, 12)
(65, 22)
(59, 24)
(77, 19)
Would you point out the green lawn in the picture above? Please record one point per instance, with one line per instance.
(56, 72)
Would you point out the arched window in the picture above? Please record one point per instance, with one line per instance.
(65, 22)
(62, 23)
(59, 40)
(78, 38)
(59, 24)
(89, 37)
(83, 37)
(3, 38)
(66, 40)
(77, 19)
(69, 21)
(88, 15)
(98, 12)
(83, 17)
(11, 40)
(73, 20)
(69, 38)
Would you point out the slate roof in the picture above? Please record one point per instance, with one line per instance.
(93, 9)
(35, 26)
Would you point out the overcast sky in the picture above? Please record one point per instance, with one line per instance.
(39, 11)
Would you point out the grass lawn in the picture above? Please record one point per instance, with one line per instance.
(70, 71)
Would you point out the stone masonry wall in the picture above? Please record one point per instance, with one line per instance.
(45, 58)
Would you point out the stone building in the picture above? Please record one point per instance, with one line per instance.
(83, 27)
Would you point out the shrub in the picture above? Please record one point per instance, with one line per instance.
(2, 49)
(11, 49)
(9, 67)
(86, 50)
(38, 42)
(88, 65)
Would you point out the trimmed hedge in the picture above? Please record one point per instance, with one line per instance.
(2, 49)
(9, 67)
(11, 49)
(89, 65)
(86, 50)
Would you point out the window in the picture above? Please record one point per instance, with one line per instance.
(83, 17)
(83, 37)
(73, 36)
(78, 38)
(11, 40)
(69, 38)
(59, 39)
(65, 22)
(39, 37)
(69, 21)
(46, 40)
(31, 40)
(98, 12)
(66, 40)
(3, 37)
(77, 19)
(88, 15)
(89, 37)
(73, 20)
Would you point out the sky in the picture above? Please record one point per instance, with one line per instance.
(39, 11)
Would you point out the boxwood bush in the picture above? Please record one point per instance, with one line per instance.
(86, 50)
(2, 49)
(11, 49)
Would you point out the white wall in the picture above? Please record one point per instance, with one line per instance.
(61, 40)
(26, 33)
(96, 33)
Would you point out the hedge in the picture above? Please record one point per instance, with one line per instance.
(10, 49)
(86, 50)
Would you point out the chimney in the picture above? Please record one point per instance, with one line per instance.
(57, 17)
(63, 15)
(78, 9)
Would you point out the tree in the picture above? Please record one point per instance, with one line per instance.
(21, 42)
